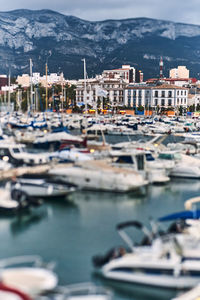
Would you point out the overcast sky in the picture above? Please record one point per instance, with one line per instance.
(174, 10)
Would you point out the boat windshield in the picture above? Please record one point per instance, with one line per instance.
(170, 156)
(16, 150)
(124, 159)
(149, 157)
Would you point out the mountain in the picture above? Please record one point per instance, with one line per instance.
(63, 41)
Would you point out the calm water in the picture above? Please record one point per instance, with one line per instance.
(71, 233)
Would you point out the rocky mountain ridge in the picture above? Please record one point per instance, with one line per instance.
(105, 44)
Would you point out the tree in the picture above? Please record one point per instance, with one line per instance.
(140, 108)
(180, 110)
(192, 108)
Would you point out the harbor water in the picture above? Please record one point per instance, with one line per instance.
(72, 232)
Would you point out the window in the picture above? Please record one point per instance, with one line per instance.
(156, 94)
(140, 162)
(177, 92)
(178, 101)
(156, 102)
(149, 157)
(129, 92)
(181, 93)
(163, 93)
(134, 102)
(169, 102)
(124, 159)
(129, 102)
(170, 94)
(162, 102)
(140, 93)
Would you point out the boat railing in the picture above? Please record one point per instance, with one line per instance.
(34, 260)
(82, 289)
(120, 228)
(189, 203)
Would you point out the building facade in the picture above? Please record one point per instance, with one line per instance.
(113, 88)
(180, 72)
(153, 96)
(127, 73)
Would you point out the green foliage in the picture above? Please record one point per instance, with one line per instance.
(181, 110)
(140, 108)
(191, 108)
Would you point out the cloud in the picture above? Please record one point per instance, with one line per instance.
(178, 11)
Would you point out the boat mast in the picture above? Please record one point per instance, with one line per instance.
(85, 88)
(9, 91)
(31, 82)
(46, 69)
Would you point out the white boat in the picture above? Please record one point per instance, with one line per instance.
(71, 155)
(98, 175)
(32, 280)
(17, 154)
(193, 294)
(83, 291)
(161, 264)
(40, 188)
(180, 165)
(120, 130)
(14, 295)
(142, 162)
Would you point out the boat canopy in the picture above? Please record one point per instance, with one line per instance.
(187, 214)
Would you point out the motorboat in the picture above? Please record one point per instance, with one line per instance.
(53, 140)
(10, 206)
(120, 130)
(193, 294)
(180, 165)
(14, 202)
(158, 262)
(141, 161)
(10, 293)
(98, 175)
(39, 188)
(82, 291)
(17, 154)
(71, 155)
(28, 274)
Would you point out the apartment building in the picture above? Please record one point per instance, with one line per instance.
(127, 73)
(113, 89)
(152, 96)
(180, 72)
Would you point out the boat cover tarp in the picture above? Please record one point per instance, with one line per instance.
(186, 214)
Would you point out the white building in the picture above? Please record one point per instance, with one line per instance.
(193, 99)
(114, 88)
(180, 72)
(152, 96)
(126, 72)
(53, 78)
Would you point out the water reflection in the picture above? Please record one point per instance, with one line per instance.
(72, 232)
(23, 222)
(131, 291)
